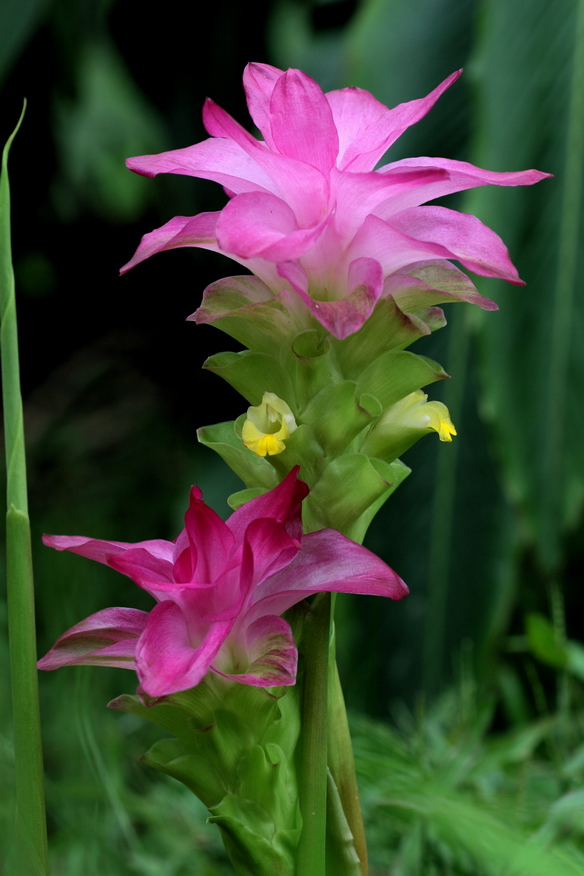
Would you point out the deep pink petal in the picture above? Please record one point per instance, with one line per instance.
(328, 561)
(180, 231)
(211, 542)
(270, 654)
(376, 138)
(258, 82)
(267, 548)
(260, 225)
(146, 570)
(302, 121)
(103, 551)
(107, 638)
(282, 504)
(465, 238)
(166, 661)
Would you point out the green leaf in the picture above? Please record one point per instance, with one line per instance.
(531, 93)
(544, 643)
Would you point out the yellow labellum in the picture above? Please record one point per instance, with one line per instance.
(415, 410)
(268, 425)
(440, 420)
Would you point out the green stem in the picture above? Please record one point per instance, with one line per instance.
(311, 860)
(31, 856)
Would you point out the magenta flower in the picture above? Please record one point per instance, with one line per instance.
(220, 589)
(307, 210)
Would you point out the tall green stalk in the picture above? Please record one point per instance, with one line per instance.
(311, 857)
(31, 857)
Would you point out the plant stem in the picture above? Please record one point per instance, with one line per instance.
(31, 856)
(311, 859)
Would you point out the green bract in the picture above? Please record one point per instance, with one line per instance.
(345, 397)
(235, 748)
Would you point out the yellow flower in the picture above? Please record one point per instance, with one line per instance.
(417, 412)
(268, 425)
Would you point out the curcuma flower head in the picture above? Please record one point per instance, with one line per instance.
(220, 590)
(310, 216)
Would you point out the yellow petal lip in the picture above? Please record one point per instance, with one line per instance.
(268, 425)
(439, 420)
(446, 430)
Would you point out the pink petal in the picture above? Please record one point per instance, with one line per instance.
(267, 548)
(179, 231)
(458, 176)
(376, 138)
(145, 569)
(341, 318)
(282, 504)
(271, 652)
(258, 82)
(304, 188)
(260, 225)
(359, 194)
(107, 638)
(463, 236)
(328, 561)
(210, 539)
(220, 160)
(354, 110)
(391, 247)
(302, 121)
(166, 661)
(103, 551)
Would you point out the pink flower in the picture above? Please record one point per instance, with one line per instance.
(307, 210)
(220, 589)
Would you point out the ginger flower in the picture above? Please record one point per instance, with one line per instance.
(220, 590)
(309, 215)
(268, 425)
(405, 422)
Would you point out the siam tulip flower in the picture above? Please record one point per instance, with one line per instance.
(309, 215)
(220, 590)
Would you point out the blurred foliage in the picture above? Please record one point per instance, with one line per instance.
(487, 532)
(442, 796)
